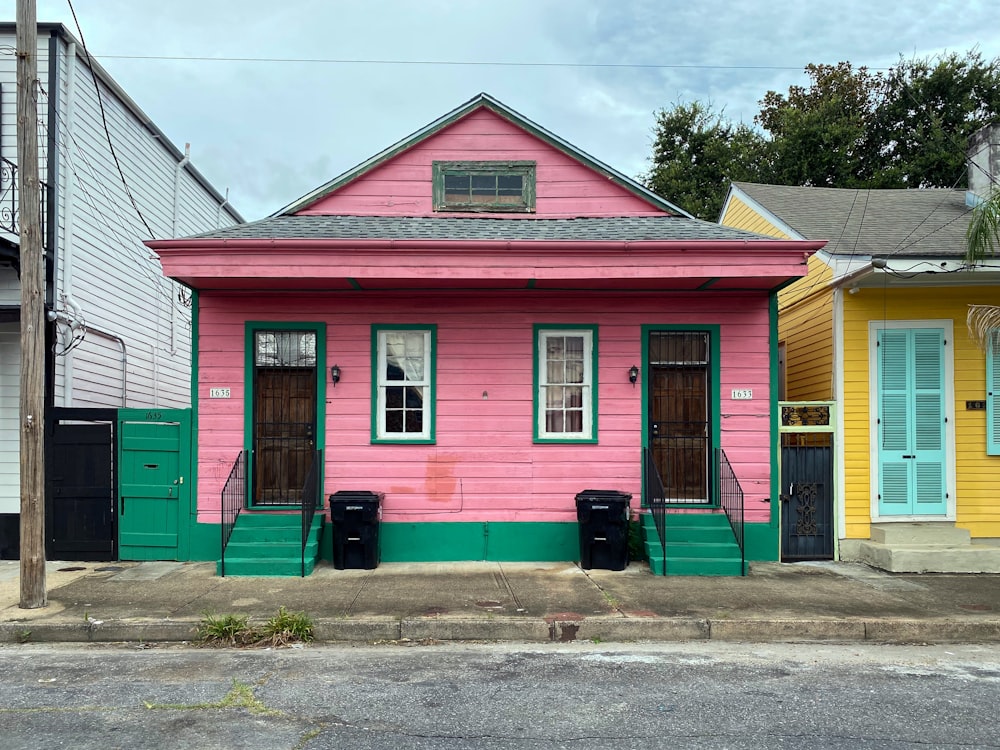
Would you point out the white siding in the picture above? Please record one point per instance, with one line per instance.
(10, 408)
(10, 287)
(105, 277)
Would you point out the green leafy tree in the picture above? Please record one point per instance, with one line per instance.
(982, 242)
(696, 151)
(846, 127)
(821, 133)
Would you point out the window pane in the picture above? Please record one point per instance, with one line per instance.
(510, 184)
(393, 420)
(555, 346)
(414, 421)
(574, 372)
(574, 421)
(394, 397)
(573, 397)
(555, 372)
(574, 347)
(554, 421)
(553, 398)
(456, 188)
(285, 348)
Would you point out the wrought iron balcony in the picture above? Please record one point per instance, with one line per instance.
(9, 224)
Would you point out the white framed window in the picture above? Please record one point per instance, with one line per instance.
(566, 383)
(403, 384)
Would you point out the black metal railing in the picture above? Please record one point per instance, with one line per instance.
(731, 499)
(9, 209)
(656, 500)
(234, 495)
(311, 492)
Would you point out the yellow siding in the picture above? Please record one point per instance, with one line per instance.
(976, 474)
(741, 216)
(805, 316)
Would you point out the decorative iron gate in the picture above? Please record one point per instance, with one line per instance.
(807, 489)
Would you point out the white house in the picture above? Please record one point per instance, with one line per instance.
(119, 331)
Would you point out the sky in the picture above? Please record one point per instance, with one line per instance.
(277, 98)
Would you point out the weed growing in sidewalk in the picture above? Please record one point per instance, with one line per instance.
(283, 629)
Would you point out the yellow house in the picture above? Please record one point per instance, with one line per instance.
(878, 326)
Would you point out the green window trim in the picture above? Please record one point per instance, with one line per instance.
(589, 384)
(510, 183)
(381, 386)
(993, 394)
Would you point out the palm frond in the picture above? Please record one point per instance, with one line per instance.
(982, 238)
(983, 321)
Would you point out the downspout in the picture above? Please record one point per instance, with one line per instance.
(121, 343)
(218, 211)
(70, 214)
(173, 233)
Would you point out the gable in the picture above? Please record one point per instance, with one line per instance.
(403, 184)
(741, 214)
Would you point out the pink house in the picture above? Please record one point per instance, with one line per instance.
(478, 324)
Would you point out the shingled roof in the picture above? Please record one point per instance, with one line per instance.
(890, 223)
(627, 228)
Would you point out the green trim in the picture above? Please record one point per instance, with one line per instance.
(531, 283)
(484, 101)
(195, 339)
(503, 541)
(707, 284)
(250, 327)
(524, 169)
(760, 541)
(187, 496)
(355, 285)
(772, 344)
(431, 416)
(547, 328)
(714, 331)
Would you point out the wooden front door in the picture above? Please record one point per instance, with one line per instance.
(679, 430)
(284, 415)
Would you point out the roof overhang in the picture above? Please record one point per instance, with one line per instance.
(400, 264)
(861, 273)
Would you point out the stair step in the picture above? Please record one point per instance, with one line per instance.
(703, 566)
(697, 544)
(255, 566)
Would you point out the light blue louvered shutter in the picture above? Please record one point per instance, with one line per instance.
(993, 394)
(893, 422)
(928, 422)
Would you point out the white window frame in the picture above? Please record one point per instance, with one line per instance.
(381, 383)
(588, 432)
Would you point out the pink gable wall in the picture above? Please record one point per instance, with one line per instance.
(485, 465)
(402, 186)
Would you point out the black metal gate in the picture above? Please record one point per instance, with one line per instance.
(80, 485)
(807, 498)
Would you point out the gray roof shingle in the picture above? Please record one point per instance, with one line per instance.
(623, 228)
(889, 223)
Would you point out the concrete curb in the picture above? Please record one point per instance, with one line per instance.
(537, 630)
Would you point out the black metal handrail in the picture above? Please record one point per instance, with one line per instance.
(731, 500)
(656, 500)
(234, 495)
(310, 501)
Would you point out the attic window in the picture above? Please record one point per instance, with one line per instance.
(487, 186)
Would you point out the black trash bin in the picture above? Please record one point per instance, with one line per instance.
(355, 515)
(603, 516)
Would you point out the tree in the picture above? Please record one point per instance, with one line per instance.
(822, 133)
(847, 127)
(696, 152)
(982, 242)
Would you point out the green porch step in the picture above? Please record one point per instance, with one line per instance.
(698, 544)
(266, 544)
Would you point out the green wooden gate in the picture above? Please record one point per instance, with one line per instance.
(154, 481)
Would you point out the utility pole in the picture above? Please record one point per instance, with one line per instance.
(33, 592)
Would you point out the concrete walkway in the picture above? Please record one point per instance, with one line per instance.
(532, 602)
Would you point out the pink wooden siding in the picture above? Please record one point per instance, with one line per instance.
(484, 465)
(402, 186)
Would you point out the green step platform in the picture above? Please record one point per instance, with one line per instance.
(698, 544)
(270, 544)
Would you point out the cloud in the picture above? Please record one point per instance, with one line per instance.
(283, 113)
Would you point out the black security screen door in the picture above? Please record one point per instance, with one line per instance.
(679, 427)
(284, 414)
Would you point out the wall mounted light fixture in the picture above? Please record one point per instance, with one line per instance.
(335, 375)
(633, 375)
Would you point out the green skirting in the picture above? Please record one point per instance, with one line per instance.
(495, 540)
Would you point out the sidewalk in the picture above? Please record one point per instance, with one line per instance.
(531, 602)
